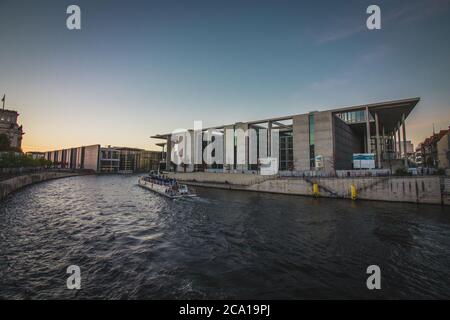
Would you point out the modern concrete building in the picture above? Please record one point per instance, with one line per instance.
(318, 140)
(85, 157)
(9, 127)
(105, 159)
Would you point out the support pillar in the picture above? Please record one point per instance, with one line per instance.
(394, 135)
(394, 139)
(269, 138)
(399, 142)
(168, 153)
(365, 142)
(367, 130)
(383, 144)
(377, 128)
(405, 151)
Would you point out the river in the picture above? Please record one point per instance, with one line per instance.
(131, 243)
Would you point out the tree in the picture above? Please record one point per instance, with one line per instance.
(5, 144)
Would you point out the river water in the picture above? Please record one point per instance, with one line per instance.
(130, 243)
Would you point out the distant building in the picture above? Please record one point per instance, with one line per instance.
(434, 150)
(410, 152)
(36, 155)
(105, 159)
(409, 147)
(443, 153)
(109, 160)
(149, 160)
(129, 159)
(138, 160)
(9, 126)
(85, 157)
(418, 156)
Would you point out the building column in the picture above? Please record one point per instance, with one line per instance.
(367, 130)
(404, 140)
(393, 141)
(269, 138)
(399, 150)
(365, 142)
(377, 128)
(394, 147)
(168, 153)
(383, 142)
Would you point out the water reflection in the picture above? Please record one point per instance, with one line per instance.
(131, 243)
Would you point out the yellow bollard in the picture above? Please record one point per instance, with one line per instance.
(315, 190)
(354, 193)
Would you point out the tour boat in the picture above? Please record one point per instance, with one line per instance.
(169, 188)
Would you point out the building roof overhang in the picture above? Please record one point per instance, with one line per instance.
(389, 114)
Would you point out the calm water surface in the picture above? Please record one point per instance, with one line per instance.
(131, 243)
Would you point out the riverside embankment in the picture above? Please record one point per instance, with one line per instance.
(415, 189)
(12, 184)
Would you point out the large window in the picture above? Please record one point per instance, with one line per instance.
(286, 151)
(353, 116)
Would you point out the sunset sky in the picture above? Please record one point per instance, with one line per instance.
(138, 68)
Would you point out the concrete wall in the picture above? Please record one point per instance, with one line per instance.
(400, 189)
(225, 178)
(91, 157)
(16, 183)
(242, 146)
(323, 138)
(346, 143)
(397, 189)
(300, 130)
(446, 193)
(79, 159)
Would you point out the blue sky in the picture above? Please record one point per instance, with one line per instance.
(138, 68)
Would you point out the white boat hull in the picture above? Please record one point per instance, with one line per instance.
(161, 189)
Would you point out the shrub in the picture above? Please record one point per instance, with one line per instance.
(20, 160)
(401, 172)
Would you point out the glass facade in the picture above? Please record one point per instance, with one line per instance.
(286, 151)
(109, 160)
(128, 161)
(354, 116)
(109, 154)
